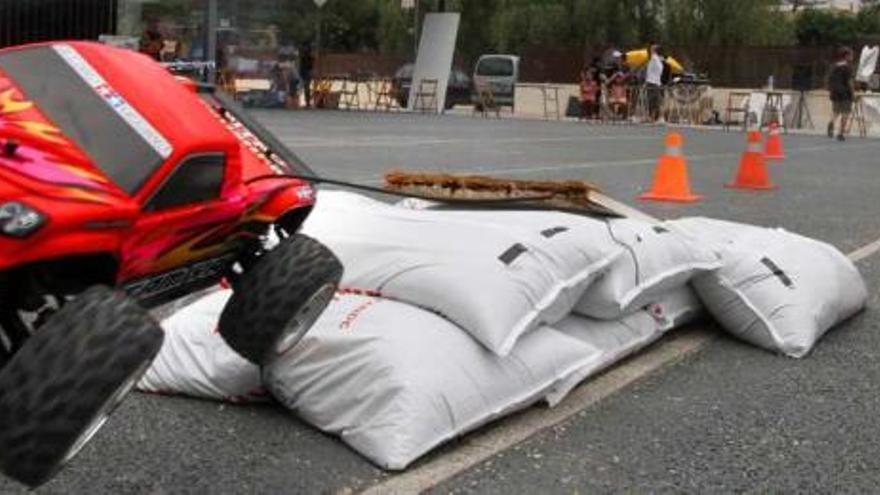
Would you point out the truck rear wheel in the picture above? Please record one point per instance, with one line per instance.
(276, 301)
(62, 385)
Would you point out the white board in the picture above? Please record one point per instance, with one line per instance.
(871, 109)
(434, 60)
(867, 63)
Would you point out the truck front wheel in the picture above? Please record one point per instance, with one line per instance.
(62, 385)
(277, 299)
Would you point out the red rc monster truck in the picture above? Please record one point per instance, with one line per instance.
(122, 188)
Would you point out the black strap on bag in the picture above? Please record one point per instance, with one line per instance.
(553, 232)
(512, 253)
(778, 272)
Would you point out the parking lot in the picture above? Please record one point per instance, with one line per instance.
(725, 417)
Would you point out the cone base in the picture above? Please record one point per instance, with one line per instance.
(768, 187)
(688, 198)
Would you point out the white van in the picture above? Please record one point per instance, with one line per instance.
(498, 73)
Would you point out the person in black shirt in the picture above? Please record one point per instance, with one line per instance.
(842, 91)
(306, 66)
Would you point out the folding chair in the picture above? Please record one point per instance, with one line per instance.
(385, 97)
(737, 103)
(426, 96)
(487, 103)
(773, 111)
(322, 90)
(857, 117)
(350, 94)
(551, 102)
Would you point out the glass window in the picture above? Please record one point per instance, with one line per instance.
(197, 180)
(498, 67)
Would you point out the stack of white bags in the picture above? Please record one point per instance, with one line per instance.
(450, 319)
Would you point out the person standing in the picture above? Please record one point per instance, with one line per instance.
(152, 42)
(306, 66)
(280, 86)
(841, 89)
(654, 82)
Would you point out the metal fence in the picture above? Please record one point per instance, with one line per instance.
(28, 21)
(735, 66)
(740, 67)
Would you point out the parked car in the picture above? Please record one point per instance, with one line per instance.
(123, 187)
(458, 91)
(499, 74)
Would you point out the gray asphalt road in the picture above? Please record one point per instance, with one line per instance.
(733, 418)
(729, 420)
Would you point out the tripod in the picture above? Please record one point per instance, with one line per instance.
(802, 110)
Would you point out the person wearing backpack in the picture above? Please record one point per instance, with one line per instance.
(841, 89)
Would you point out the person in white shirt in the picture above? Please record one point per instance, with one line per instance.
(654, 82)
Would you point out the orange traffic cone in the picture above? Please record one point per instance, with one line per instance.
(671, 178)
(774, 150)
(752, 172)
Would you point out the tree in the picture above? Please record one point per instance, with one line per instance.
(868, 19)
(822, 27)
(721, 22)
(395, 28)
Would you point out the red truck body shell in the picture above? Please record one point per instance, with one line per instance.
(86, 210)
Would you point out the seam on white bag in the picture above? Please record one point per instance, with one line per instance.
(532, 319)
(635, 292)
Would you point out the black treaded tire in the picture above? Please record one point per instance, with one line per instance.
(292, 283)
(75, 369)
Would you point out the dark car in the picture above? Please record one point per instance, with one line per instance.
(458, 92)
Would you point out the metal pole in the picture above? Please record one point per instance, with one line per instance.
(211, 41)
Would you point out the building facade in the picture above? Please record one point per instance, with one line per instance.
(28, 21)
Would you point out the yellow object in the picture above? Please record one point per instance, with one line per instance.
(638, 58)
(675, 65)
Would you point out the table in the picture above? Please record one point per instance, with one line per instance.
(765, 104)
(546, 89)
(866, 113)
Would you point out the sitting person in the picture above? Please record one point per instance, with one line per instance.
(618, 98)
(589, 93)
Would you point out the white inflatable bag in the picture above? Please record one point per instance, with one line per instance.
(677, 308)
(613, 340)
(494, 281)
(718, 234)
(656, 259)
(781, 291)
(394, 381)
(195, 360)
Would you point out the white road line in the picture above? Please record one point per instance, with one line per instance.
(507, 433)
(646, 161)
(865, 251)
(403, 142)
(374, 179)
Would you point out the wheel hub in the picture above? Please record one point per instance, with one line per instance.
(104, 412)
(304, 319)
